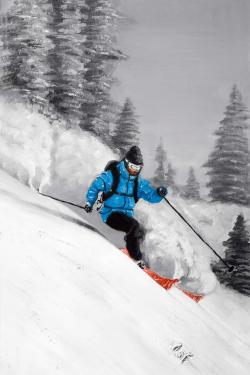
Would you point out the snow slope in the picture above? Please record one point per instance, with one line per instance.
(72, 304)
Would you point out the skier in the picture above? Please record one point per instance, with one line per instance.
(122, 186)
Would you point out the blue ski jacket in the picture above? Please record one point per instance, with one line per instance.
(121, 203)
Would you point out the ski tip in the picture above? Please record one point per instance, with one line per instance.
(195, 297)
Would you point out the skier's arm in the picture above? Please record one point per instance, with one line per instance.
(147, 192)
(101, 183)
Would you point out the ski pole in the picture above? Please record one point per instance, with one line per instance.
(230, 268)
(60, 200)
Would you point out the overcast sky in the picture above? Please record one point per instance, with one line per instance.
(4, 4)
(185, 56)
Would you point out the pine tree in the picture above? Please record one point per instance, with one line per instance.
(237, 254)
(24, 64)
(3, 33)
(228, 163)
(101, 59)
(170, 180)
(160, 172)
(66, 59)
(192, 187)
(12, 48)
(35, 71)
(126, 132)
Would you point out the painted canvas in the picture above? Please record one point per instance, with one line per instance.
(124, 187)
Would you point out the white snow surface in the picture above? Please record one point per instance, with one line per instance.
(72, 303)
(52, 158)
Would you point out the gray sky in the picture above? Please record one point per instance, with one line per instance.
(4, 4)
(185, 56)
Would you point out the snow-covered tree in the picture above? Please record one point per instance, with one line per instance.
(3, 29)
(60, 54)
(228, 163)
(66, 59)
(101, 58)
(126, 132)
(160, 172)
(12, 47)
(170, 179)
(237, 254)
(24, 63)
(192, 187)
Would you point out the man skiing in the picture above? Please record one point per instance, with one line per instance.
(122, 186)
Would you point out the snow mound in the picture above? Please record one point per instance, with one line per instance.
(26, 141)
(77, 158)
(173, 250)
(48, 156)
(71, 303)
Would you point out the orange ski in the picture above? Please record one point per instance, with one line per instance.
(194, 296)
(167, 283)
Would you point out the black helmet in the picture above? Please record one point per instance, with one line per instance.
(134, 155)
(134, 161)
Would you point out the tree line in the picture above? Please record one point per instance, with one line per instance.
(60, 56)
(165, 175)
(228, 165)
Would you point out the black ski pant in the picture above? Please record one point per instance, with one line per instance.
(134, 232)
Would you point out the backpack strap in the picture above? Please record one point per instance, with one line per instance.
(136, 189)
(115, 174)
(113, 190)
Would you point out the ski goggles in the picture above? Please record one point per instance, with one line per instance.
(133, 167)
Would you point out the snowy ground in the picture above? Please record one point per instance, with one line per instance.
(71, 303)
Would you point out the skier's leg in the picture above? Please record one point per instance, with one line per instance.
(134, 232)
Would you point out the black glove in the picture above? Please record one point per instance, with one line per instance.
(141, 264)
(88, 208)
(162, 191)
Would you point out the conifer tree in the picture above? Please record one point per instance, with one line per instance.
(192, 187)
(228, 163)
(3, 33)
(170, 180)
(11, 57)
(24, 65)
(237, 254)
(101, 58)
(126, 132)
(66, 59)
(160, 172)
